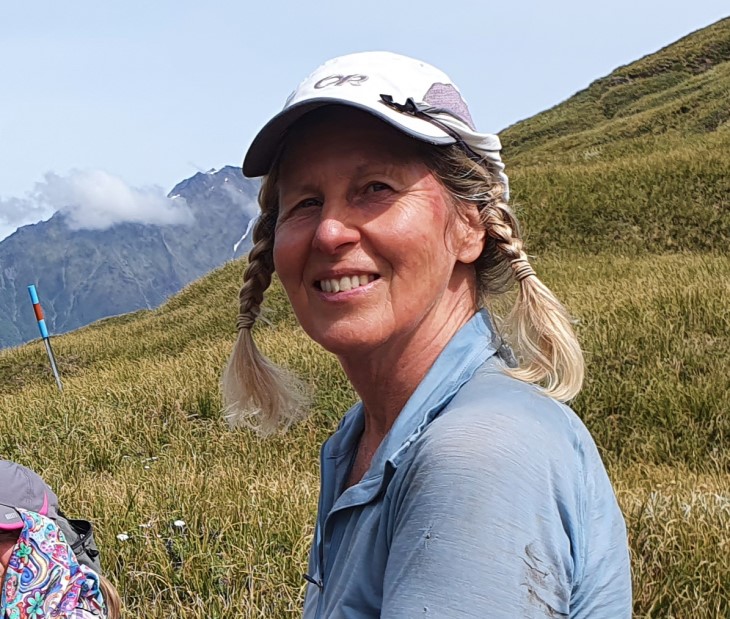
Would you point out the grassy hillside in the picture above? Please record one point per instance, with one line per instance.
(630, 229)
(136, 440)
(637, 162)
(680, 91)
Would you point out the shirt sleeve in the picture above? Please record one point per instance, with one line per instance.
(487, 521)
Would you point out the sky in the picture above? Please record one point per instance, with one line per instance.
(105, 106)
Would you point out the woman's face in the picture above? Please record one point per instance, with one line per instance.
(367, 244)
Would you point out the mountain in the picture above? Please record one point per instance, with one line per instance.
(637, 162)
(84, 275)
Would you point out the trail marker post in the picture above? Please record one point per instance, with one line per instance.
(44, 332)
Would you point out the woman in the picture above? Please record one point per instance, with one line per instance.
(457, 487)
(48, 565)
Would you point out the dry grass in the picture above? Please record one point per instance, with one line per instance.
(136, 441)
(678, 526)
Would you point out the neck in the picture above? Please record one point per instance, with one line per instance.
(386, 377)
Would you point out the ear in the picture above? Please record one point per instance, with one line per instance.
(469, 234)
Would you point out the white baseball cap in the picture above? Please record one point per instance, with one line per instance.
(409, 94)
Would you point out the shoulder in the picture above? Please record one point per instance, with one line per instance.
(494, 416)
(515, 470)
(504, 441)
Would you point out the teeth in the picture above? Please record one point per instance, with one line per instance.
(345, 283)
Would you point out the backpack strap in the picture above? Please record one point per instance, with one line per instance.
(79, 535)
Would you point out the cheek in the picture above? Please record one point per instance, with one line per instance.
(279, 257)
(419, 235)
(289, 247)
(421, 214)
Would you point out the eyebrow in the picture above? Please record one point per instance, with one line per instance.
(389, 168)
(297, 190)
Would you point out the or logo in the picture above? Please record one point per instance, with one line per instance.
(339, 80)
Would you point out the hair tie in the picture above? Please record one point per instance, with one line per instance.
(522, 268)
(245, 321)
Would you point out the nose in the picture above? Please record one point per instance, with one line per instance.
(335, 229)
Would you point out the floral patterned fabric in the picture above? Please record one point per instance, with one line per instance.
(44, 580)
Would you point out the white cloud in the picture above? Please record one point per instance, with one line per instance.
(16, 212)
(94, 199)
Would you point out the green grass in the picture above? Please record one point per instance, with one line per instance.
(638, 162)
(677, 90)
(656, 203)
(137, 439)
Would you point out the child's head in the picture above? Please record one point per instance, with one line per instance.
(21, 488)
(36, 539)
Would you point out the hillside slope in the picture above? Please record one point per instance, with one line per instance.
(136, 441)
(637, 162)
(681, 91)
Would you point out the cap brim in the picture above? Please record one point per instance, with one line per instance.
(263, 149)
(10, 518)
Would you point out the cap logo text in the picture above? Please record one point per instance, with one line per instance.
(339, 80)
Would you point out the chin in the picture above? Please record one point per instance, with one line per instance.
(345, 339)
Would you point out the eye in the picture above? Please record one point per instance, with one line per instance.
(376, 186)
(309, 202)
(305, 204)
(297, 209)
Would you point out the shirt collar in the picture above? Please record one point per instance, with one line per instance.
(470, 347)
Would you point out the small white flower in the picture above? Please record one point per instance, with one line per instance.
(180, 524)
(122, 537)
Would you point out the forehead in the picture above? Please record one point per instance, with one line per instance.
(345, 134)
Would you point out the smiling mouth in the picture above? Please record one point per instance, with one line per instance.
(344, 284)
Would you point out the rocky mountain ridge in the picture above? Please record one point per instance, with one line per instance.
(84, 275)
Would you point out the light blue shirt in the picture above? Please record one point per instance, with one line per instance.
(486, 499)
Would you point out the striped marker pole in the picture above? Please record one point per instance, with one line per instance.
(44, 332)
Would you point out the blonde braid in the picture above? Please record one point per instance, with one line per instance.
(256, 392)
(540, 327)
(256, 277)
